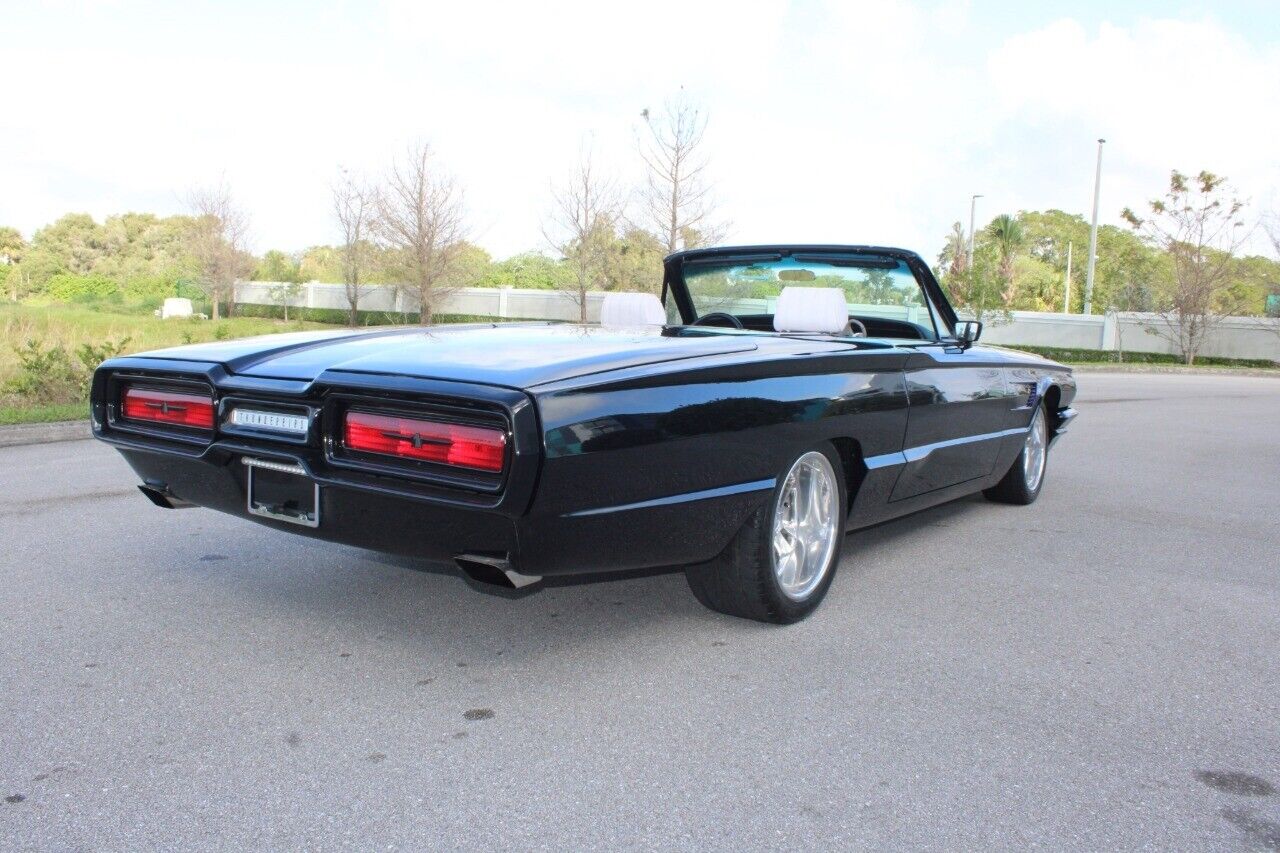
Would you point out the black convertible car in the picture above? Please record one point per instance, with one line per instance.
(774, 398)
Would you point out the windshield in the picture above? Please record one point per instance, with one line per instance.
(876, 288)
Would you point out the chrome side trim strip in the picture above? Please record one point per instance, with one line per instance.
(723, 491)
(911, 454)
(874, 462)
(915, 454)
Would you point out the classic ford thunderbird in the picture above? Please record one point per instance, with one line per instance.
(772, 400)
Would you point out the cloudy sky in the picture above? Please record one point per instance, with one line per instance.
(829, 121)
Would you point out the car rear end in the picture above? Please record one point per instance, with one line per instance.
(422, 467)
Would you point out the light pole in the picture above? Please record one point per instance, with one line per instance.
(1066, 299)
(1093, 234)
(973, 206)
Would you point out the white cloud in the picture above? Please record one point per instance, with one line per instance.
(1165, 94)
(830, 121)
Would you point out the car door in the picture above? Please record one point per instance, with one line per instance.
(959, 412)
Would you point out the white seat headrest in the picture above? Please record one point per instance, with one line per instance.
(632, 309)
(811, 309)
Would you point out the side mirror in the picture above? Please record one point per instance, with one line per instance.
(968, 332)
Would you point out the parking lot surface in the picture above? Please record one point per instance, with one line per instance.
(1098, 670)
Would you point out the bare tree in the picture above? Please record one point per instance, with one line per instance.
(218, 243)
(582, 225)
(954, 256)
(354, 206)
(1196, 223)
(675, 200)
(420, 215)
(1271, 224)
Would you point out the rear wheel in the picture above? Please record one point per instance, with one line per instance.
(1021, 485)
(780, 564)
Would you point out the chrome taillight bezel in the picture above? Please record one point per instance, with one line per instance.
(427, 472)
(118, 383)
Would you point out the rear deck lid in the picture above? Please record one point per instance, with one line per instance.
(517, 356)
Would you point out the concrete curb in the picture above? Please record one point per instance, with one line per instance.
(1116, 367)
(20, 434)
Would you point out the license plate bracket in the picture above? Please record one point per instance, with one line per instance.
(282, 491)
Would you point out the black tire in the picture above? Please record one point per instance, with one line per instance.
(741, 581)
(1013, 487)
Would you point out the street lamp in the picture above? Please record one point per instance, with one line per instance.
(973, 205)
(1093, 234)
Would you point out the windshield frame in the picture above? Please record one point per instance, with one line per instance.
(674, 284)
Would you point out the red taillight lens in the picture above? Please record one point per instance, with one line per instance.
(161, 406)
(482, 448)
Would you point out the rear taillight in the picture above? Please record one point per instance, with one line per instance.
(165, 406)
(476, 447)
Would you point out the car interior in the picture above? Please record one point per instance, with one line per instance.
(799, 310)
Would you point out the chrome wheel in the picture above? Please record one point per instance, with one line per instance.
(806, 525)
(1034, 452)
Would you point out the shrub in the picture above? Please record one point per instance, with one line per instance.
(51, 375)
(149, 290)
(91, 355)
(66, 287)
(45, 375)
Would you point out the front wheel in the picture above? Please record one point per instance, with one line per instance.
(1021, 485)
(780, 564)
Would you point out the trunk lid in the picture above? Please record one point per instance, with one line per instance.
(516, 355)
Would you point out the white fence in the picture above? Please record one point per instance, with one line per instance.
(501, 302)
(1235, 337)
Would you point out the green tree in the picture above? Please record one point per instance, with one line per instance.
(320, 263)
(275, 265)
(529, 270)
(470, 266)
(978, 289)
(12, 249)
(1255, 278)
(12, 246)
(72, 244)
(633, 261)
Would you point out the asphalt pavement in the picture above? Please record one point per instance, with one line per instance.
(1098, 670)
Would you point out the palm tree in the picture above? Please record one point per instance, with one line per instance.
(1006, 233)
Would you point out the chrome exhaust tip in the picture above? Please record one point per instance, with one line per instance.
(159, 494)
(494, 570)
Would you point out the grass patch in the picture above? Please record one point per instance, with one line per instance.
(48, 382)
(43, 414)
(1093, 356)
(101, 326)
(70, 326)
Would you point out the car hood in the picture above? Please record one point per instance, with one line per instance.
(517, 356)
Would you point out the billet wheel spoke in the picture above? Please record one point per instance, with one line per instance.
(805, 532)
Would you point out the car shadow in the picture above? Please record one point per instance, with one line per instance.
(554, 582)
(435, 615)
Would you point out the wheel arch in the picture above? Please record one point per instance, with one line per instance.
(849, 452)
